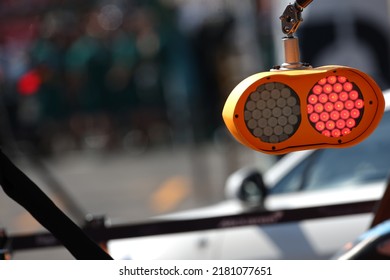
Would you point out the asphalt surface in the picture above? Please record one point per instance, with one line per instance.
(125, 187)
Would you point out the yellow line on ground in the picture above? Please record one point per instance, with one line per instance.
(170, 194)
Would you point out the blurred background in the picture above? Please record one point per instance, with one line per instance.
(114, 107)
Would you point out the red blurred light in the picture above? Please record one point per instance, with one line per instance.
(29, 83)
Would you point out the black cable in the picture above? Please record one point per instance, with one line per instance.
(26, 193)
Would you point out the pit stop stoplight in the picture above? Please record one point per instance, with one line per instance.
(282, 111)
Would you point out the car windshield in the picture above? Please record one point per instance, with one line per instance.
(113, 108)
(355, 166)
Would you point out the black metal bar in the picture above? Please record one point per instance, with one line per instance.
(159, 227)
(74, 209)
(27, 194)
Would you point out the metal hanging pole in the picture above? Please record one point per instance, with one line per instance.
(291, 19)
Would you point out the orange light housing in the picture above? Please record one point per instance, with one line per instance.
(282, 111)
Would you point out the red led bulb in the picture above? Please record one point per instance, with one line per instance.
(339, 104)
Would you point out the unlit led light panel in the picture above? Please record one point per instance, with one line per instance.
(272, 112)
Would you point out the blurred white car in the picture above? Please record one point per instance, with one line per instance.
(302, 179)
